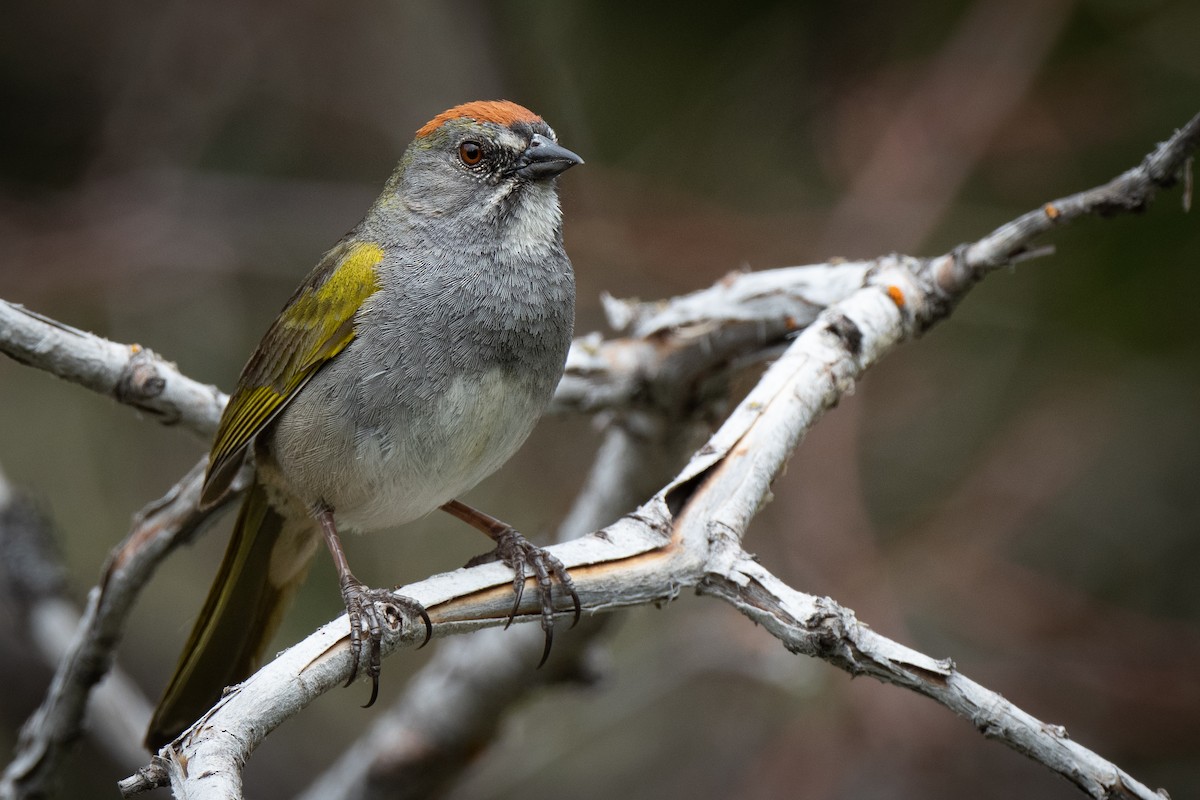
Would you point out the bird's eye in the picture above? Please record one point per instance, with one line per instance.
(470, 153)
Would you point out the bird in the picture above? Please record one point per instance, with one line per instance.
(411, 363)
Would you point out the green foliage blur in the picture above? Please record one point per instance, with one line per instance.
(1017, 490)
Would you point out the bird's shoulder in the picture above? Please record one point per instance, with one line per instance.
(316, 324)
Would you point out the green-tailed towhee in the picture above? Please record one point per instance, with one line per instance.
(410, 364)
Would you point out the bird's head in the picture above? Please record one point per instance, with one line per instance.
(488, 156)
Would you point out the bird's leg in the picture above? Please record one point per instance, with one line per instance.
(363, 608)
(518, 553)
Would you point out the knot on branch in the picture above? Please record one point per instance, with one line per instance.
(827, 636)
(945, 280)
(139, 382)
(846, 330)
(1132, 193)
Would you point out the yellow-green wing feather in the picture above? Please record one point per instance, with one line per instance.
(316, 324)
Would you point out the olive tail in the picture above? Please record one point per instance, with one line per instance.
(267, 559)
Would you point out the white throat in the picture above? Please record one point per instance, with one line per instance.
(531, 227)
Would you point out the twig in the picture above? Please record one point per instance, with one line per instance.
(817, 626)
(31, 579)
(131, 374)
(1130, 192)
(48, 734)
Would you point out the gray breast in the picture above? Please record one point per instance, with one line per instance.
(446, 377)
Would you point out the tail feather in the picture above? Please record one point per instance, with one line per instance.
(266, 561)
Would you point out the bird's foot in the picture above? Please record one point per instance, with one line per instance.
(523, 558)
(369, 611)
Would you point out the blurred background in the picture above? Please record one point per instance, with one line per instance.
(1019, 490)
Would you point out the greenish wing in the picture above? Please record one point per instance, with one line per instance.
(316, 324)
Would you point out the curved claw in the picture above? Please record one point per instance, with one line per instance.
(374, 692)
(367, 623)
(522, 557)
(546, 649)
(429, 627)
(373, 670)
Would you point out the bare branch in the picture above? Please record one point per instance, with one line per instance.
(1130, 192)
(131, 374)
(31, 579)
(817, 626)
(48, 733)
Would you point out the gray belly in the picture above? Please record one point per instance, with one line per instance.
(347, 444)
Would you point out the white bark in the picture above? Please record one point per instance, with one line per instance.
(130, 373)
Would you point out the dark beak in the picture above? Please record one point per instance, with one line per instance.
(544, 159)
